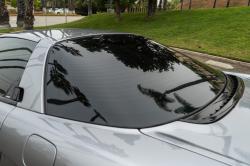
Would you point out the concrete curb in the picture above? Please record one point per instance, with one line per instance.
(210, 56)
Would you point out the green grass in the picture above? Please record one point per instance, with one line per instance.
(224, 31)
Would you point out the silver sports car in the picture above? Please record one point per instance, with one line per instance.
(80, 97)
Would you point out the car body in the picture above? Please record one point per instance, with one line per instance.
(50, 9)
(76, 97)
(61, 11)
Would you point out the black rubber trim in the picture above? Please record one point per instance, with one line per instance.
(8, 101)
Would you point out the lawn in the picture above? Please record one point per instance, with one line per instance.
(223, 31)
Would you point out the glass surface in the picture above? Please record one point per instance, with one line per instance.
(14, 55)
(125, 81)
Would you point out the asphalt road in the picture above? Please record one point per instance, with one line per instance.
(51, 20)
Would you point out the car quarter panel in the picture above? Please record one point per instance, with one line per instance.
(32, 79)
(80, 144)
(228, 136)
(4, 111)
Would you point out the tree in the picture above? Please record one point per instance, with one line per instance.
(44, 4)
(53, 6)
(165, 5)
(152, 6)
(102, 5)
(160, 3)
(20, 13)
(4, 15)
(124, 4)
(117, 10)
(69, 4)
(63, 3)
(73, 7)
(13, 3)
(29, 16)
(90, 7)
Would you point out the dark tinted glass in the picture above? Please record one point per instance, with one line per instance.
(126, 81)
(14, 55)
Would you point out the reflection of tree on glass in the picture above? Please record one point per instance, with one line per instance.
(98, 115)
(57, 77)
(70, 50)
(160, 98)
(186, 107)
(148, 56)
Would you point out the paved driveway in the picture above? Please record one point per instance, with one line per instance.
(51, 20)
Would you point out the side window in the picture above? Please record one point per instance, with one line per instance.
(14, 55)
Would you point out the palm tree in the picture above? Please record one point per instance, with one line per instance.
(90, 8)
(117, 10)
(152, 8)
(29, 16)
(63, 3)
(44, 4)
(73, 7)
(53, 6)
(160, 3)
(165, 5)
(4, 15)
(70, 12)
(20, 13)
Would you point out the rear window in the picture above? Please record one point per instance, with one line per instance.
(14, 55)
(125, 81)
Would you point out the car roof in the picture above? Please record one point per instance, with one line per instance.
(58, 34)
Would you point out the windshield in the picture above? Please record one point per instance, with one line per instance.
(125, 81)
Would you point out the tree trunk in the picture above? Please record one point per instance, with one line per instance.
(117, 10)
(44, 4)
(63, 3)
(4, 16)
(20, 13)
(53, 6)
(155, 7)
(29, 16)
(90, 8)
(152, 8)
(69, 7)
(73, 7)
(164, 5)
(160, 3)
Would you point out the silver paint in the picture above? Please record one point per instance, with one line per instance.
(227, 139)
(32, 79)
(59, 34)
(82, 144)
(37, 150)
(78, 143)
(5, 109)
